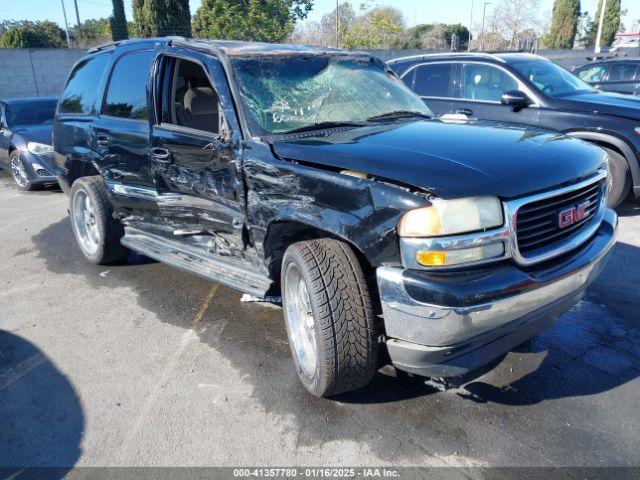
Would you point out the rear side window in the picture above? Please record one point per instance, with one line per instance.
(127, 91)
(621, 72)
(432, 80)
(81, 90)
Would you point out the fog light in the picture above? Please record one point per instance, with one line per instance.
(430, 258)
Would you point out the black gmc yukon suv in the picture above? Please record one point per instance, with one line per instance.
(319, 176)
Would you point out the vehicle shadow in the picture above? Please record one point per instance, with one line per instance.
(630, 208)
(41, 416)
(592, 349)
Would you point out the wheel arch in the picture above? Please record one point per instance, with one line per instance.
(77, 168)
(617, 144)
(282, 233)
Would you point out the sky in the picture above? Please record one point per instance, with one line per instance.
(414, 11)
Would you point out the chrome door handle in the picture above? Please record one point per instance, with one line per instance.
(464, 111)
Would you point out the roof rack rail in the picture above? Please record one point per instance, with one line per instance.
(451, 54)
(104, 46)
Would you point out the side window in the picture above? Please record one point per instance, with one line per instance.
(127, 90)
(432, 80)
(485, 82)
(81, 90)
(194, 102)
(620, 72)
(592, 74)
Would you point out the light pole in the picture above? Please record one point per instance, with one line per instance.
(337, 24)
(66, 25)
(75, 3)
(484, 11)
(599, 34)
(470, 25)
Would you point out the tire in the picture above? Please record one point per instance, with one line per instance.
(339, 309)
(96, 231)
(16, 168)
(619, 178)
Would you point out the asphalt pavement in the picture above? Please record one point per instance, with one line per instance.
(139, 364)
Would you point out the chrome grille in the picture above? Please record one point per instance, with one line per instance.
(538, 223)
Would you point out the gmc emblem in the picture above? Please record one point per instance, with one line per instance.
(573, 215)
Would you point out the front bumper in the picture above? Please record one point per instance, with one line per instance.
(43, 174)
(447, 324)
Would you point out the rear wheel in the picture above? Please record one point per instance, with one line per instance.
(19, 173)
(619, 178)
(330, 317)
(97, 233)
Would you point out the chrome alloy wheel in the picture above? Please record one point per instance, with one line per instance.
(300, 322)
(85, 224)
(18, 172)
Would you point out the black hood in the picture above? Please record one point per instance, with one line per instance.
(616, 104)
(452, 160)
(36, 133)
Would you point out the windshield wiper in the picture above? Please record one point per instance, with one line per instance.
(323, 125)
(397, 114)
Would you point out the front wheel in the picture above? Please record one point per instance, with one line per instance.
(97, 233)
(619, 178)
(19, 173)
(330, 318)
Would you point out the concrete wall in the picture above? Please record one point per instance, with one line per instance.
(35, 72)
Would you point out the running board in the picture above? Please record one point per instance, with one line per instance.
(225, 271)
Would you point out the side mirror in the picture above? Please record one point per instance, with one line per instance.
(515, 98)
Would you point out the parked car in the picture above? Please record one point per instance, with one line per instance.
(25, 140)
(613, 75)
(531, 90)
(316, 174)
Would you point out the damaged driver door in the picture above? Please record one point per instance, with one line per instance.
(194, 152)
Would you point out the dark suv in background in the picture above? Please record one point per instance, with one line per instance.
(317, 175)
(531, 90)
(620, 75)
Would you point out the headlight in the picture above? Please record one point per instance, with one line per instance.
(39, 148)
(451, 217)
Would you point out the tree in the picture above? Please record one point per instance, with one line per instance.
(434, 38)
(611, 23)
(378, 29)
(463, 33)
(26, 34)
(564, 24)
(585, 35)
(118, 22)
(511, 17)
(346, 17)
(323, 33)
(157, 18)
(91, 32)
(257, 20)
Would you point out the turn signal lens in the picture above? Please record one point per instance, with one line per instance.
(434, 258)
(431, 259)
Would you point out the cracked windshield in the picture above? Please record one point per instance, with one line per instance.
(283, 95)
